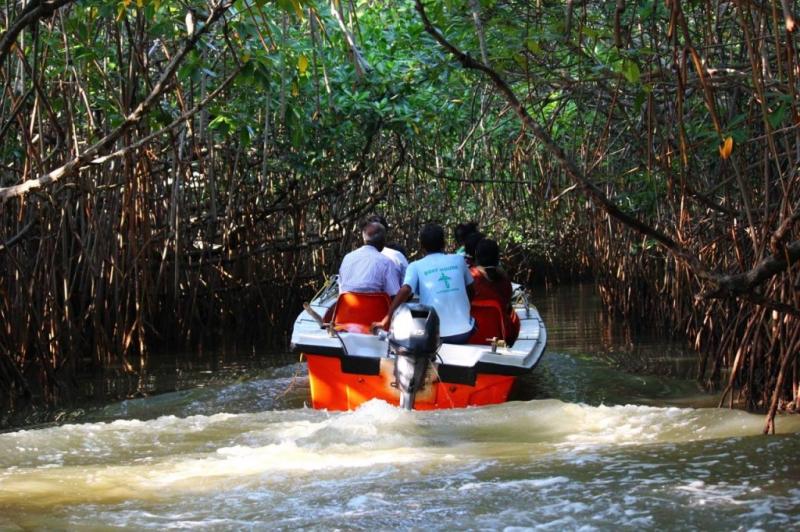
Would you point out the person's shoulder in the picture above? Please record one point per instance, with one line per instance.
(395, 254)
(454, 258)
(385, 258)
(359, 249)
(419, 264)
(357, 254)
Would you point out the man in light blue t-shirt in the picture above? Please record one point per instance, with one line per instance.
(441, 281)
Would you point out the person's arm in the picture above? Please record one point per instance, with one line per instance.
(390, 281)
(410, 283)
(403, 295)
(468, 280)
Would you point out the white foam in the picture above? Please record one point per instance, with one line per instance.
(515, 484)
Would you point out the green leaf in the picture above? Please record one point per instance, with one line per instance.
(631, 71)
(533, 46)
(776, 117)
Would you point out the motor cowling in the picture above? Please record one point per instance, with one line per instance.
(414, 340)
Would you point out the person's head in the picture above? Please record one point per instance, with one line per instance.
(471, 243)
(378, 218)
(463, 230)
(431, 238)
(487, 253)
(374, 234)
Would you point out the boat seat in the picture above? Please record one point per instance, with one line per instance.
(356, 311)
(489, 321)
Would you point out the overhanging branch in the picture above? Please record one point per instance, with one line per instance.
(566, 163)
(33, 12)
(737, 285)
(74, 165)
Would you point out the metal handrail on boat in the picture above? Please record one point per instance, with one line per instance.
(521, 296)
(328, 290)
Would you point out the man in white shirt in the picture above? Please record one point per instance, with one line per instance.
(442, 281)
(366, 269)
(400, 261)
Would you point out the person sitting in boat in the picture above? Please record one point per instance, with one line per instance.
(366, 269)
(461, 232)
(470, 243)
(441, 281)
(392, 251)
(492, 282)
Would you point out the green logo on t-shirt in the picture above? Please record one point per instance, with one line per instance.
(445, 279)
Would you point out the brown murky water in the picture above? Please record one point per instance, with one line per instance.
(610, 432)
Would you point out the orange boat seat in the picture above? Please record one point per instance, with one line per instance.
(489, 321)
(356, 311)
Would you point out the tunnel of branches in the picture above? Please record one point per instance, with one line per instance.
(181, 173)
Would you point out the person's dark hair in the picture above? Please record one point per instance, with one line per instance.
(463, 230)
(377, 218)
(487, 257)
(471, 243)
(374, 234)
(431, 238)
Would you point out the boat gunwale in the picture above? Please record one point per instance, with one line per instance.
(313, 339)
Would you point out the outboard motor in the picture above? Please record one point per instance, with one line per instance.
(414, 340)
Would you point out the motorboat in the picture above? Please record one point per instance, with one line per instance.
(349, 363)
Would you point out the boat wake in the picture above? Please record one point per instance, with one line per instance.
(172, 456)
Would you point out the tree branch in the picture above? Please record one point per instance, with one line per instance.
(361, 64)
(566, 163)
(719, 286)
(33, 12)
(74, 165)
(741, 284)
(172, 125)
(16, 238)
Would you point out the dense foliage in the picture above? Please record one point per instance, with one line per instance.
(172, 170)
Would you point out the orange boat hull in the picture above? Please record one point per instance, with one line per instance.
(334, 389)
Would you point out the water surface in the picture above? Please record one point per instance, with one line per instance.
(598, 439)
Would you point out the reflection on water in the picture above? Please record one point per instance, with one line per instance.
(592, 444)
(576, 324)
(593, 359)
(165, 372)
